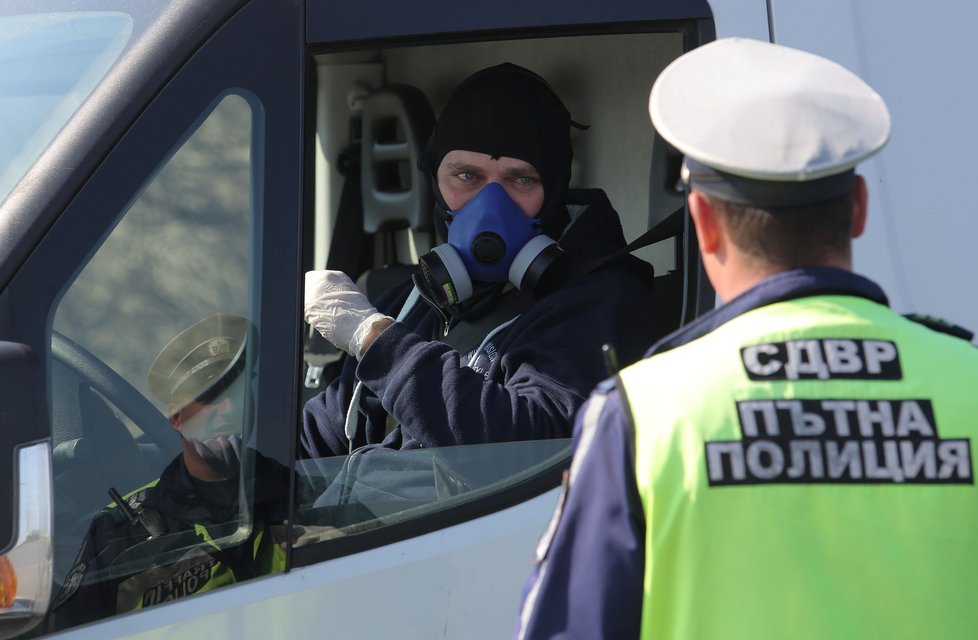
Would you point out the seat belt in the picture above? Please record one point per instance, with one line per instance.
(466, 335)
(353, 412)
(670, 226)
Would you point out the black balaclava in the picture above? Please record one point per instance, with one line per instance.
(507, 110)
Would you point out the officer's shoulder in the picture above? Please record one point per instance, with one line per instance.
(608, 385)
(605, 402)
(108, 524)
(113, 515)
(941, 325)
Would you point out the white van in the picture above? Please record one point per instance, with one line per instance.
(163, 160)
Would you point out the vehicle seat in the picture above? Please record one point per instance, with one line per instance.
(397, 199)
(392, 215)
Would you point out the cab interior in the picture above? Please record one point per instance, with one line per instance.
(374, 109)
(373, 217)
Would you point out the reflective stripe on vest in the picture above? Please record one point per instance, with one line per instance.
(806, 471)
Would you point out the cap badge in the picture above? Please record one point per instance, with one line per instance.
(218, 346)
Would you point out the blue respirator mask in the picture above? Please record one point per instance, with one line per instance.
(490, 239)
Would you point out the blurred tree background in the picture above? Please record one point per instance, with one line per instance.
(180, 252)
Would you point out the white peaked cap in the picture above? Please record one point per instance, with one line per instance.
(767, 112)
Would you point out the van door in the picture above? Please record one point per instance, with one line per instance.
(193, 211)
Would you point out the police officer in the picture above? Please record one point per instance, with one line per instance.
(799, 462)
(170, 539)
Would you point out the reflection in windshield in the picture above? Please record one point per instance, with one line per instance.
(49, 64)
(356, 493)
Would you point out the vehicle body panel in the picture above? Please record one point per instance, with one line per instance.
(460, 582)
(328, 23)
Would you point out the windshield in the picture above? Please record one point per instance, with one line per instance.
(49, 64)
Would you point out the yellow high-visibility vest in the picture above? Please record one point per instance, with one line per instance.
(806, 471)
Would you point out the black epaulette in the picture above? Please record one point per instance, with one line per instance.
(941, 325)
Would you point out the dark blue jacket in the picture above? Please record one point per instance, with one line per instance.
(525, 383)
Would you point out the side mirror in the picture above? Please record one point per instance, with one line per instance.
(26, 496)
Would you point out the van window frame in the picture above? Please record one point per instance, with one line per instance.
(695, 30)
(120, 164)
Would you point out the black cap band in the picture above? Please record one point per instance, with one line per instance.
(765, 194)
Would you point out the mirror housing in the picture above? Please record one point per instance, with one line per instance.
(26, 495)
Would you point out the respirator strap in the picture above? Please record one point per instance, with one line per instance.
(353, 411)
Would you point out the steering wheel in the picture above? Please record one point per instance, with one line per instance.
(116, 389)
(102, 453)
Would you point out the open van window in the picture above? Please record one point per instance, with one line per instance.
(368, 154)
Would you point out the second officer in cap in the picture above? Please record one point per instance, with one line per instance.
(197, 376)
(797, 463)
(189, 514)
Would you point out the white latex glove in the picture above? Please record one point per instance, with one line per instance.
(338, 310)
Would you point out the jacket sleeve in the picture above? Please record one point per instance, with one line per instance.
(545, 365)
(324, 415)
(588, 572)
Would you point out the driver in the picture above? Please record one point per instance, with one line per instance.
(500, 337)
(192, 510)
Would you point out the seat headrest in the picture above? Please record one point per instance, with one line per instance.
(397, 121)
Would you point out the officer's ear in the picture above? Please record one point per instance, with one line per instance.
(706, 221)
(860, 206)
(176, 419)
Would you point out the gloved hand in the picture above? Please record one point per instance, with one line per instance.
(338, 310)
